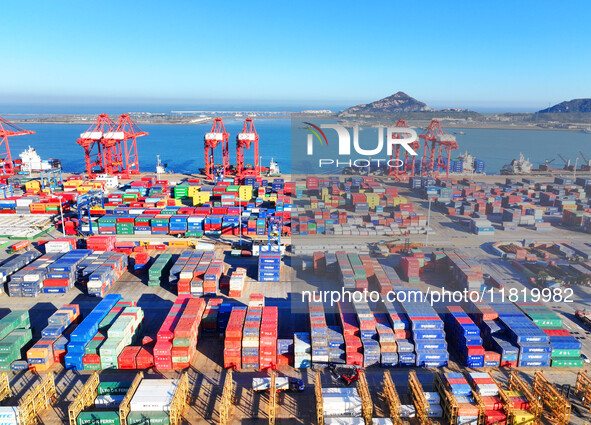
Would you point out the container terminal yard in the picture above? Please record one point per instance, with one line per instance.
(155, 298)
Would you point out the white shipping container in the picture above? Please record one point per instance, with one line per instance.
(432, 397)
(109, 400)
(9, 415)
(153, 395)
(341, 402)
(381, 421)
(407, 411)
(344, 421)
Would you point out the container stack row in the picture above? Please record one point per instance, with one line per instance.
(269, 266)
(166, 333)
(15, 334)
(186, 334)
(488, 391)
(159, 270)
(464, 336)
(251, 333)
(50, 348)
(318, 333)
(456, 383)
(268, 338)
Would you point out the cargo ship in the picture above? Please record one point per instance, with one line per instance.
(518, 166)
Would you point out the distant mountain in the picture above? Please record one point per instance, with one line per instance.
(399, 102)
(570, 107)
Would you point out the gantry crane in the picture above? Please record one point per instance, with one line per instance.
(567, 165)
(448, 400)
(217, 135)
(586, 166)
(418, 398)
(437, 139)
(392, 399)
(366, 403)
(124, 406)
(272, 399)
(37, 399)
(583, 388)
(91, 140)
(4, 387)
(244, 140)
(179, 399)
(8, 129)
(516, 383)
(84, 399)
(558, 405)
(319, 399)
(92, 198)
(120, 147)
(227, 396)
(408, 166)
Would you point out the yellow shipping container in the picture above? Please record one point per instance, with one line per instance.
(193, 190)
(245, 192)
(522, 417)
(33, 185)
(200, 198)
(397, 200)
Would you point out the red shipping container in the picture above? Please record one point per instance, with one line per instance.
(126, 359)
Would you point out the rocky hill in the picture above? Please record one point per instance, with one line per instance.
(574, 106)
(399, 102)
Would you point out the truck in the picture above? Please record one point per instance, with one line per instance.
(282, 383)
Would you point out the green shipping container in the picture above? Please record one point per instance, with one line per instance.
(148, 418)
(14, 320)
(99, 417)
(113, 387)
(568, 362)
(565, 353)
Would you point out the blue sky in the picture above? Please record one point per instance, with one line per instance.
(483, 55)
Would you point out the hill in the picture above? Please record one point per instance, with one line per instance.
(574, 106)
(398, 102)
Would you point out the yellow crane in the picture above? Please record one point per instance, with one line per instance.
(516, 383)
(392, 399)
(84, 399)
(124, 406)
(418, 397)
(272, 399)
(319, 399)
(366, 403)
(448, 401)
(4, 387)
(179, 399)
(37, 399)
(226, 402)
(558, 405)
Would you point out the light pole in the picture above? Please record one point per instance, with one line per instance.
(240, 221)
(428, 223)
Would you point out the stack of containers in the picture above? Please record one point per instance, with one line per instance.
(566, 349)
(211, 278)
(268, 339)
(28, 282)
(488, 391)
(534, 344)
(224, 312)
(427, 332)
(42, 355)
(464, 335)
(402, 332)
(165, 335)
(15, 333)
(269, 266)
(150, 403)
(368, 333)
(496, 338)
(106, 274)
(237, 280)
(302, 350)
(124, 330)
(60, 245)
(251, 334)
(285, 352)
(410, 269)
(233, 338)
(61, 275)
(209, 322)
(457, 384)
(86, 330)
(158, 273)
(319, 333)
(434, 401)
(11, 266)
(101, 243)
(141, 261)
(336, 346)
(186, 333)
(387, 340)
(201, 268)
(178, 266)
(353, 344)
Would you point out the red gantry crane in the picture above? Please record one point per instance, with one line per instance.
(91, 140)
(244, 140)
(408, 167)
(120, 147)
(8, 129)
(212, 139)
(437, 139)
